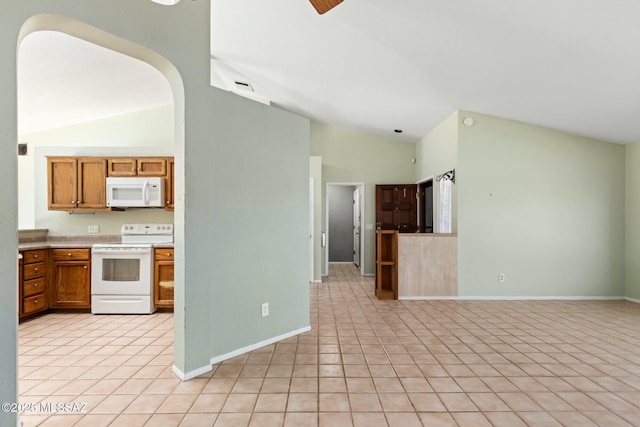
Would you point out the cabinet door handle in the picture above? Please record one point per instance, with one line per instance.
(36, 301)
(35, 255)
(35, 285)
(36, 269)
(69, 254)
(85, 267)
(168, 254)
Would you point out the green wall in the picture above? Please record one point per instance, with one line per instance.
(437, 153)
(142, 133)
(632, 241)
(543, 207)
(256, 207)
(241, 183)
(315, 172)
(356, 157)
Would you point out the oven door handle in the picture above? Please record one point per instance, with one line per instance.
(121, 252)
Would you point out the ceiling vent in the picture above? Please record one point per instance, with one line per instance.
(166, 2)
(243, 86)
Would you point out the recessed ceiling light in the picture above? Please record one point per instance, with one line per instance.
(397, 130)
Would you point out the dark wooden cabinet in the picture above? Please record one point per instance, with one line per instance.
(396, 212)
(163, 278)
(71, 287)
(396, 207)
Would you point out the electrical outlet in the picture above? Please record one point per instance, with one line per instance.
(265, 309)
(501, 277)
(93, 229)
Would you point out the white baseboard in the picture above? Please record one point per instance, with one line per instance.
(511, 298)
(191, 374)
(223, 357)
(217, 359)
(637, 301)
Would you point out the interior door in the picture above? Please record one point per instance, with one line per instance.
(357, 219)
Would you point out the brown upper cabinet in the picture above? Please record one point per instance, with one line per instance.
(140, 166)
(76, 183)
(396, 207)
(168, 185)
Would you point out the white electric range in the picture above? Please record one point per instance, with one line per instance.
(122, 272)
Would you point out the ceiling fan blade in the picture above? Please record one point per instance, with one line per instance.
(323, 6)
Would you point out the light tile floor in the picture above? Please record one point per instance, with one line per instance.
(364, 363)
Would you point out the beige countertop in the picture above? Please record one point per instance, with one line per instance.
(163, 245)
(427, 234)
(74, 242)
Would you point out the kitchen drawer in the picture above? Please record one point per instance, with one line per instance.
(32, 271)
(34, 256)
(33, 304)
(71, 254)
(32, 287)
(164, 254)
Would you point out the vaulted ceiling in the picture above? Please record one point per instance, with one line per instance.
(379, 65)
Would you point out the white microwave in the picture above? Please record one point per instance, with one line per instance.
(135, 192)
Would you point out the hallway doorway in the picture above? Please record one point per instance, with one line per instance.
(344, 218)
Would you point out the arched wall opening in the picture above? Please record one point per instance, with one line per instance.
(91, 34)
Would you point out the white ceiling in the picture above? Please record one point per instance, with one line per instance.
(63, 80)
(378, 65)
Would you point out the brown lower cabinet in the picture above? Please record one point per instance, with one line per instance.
(61, 279)
(71, 283)
(163, 278)
(386, 275)
(396, 212)
(32, 282)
